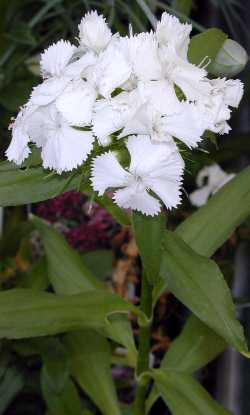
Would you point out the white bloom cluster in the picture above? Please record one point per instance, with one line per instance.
(140, 90)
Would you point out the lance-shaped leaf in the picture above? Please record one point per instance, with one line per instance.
(203, 48)
(149, 232)
(28, 313)
(68, 275)
(91, 367)
(66, 269)
(211, 225)
(30, 185)
(228, 207)
(184, 395)
(64, 402)
(198, 283)
(11, 383)
(36, 278)
(55, 363)
(193, 348)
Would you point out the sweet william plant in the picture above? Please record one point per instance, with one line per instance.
(113, 114)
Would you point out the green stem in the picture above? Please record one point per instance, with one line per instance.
(144, 347)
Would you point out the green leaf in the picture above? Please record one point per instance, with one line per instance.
(182, 6)
(228, 207)
(68, 275)
(22, 186)
(198, 283)
(211, 225)
(184, 395)
(28, 313)
(205, 46)
(11, 383)
(120, 331)
(66, 402)
(99, 262)
(66, 270)
(13, 236)
(55, 363)
(149, 232)
(91, 368)
(196, 346)
(37, 278)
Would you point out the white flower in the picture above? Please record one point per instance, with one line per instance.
(63, 147)
(111, 71)
(170, 31)
(214, 107)
(209, 180)
(59, 69)
(230, 90)
(184, 123)
(94, 32)
(214, 113)
(113, 87)
(18, 149)
(111, 115)
(141, 51)
(76, 103)
(188, 77)
(55, 59)
(153, 167)
(160, 94)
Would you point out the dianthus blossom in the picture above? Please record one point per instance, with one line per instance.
(139, 94)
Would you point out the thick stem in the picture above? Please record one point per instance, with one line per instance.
(144, 347)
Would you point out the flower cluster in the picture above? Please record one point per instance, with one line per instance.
(139, 90)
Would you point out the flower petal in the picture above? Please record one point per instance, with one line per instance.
(56, 57)
(171, 31)
(145, 156)
(66, 149)
(231, 90)
(94, 32)
(39, 124)
(188, 125)
(160, 168)
(161, 95)
(200, 196)
(48, 91)
(79, 68)
(107, 172)
(140, 122)
(111, 71)
(76, 103)
(111, 115)
(142, 201)
(146, 64)
(18, 149)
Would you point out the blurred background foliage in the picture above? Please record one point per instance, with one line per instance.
(26, 28)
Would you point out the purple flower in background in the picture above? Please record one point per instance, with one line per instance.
(86, 226)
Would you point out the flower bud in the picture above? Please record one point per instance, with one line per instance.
(231, 59)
